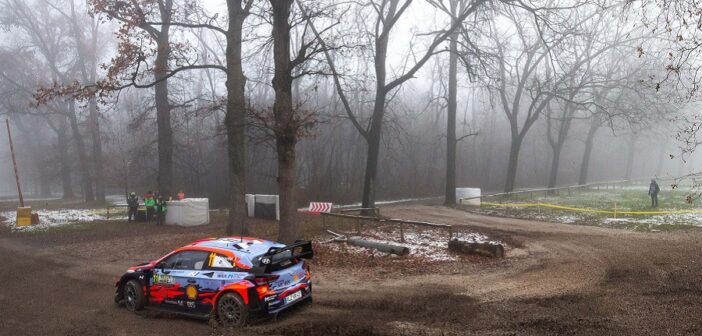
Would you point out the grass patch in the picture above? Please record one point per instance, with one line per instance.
(622, 199)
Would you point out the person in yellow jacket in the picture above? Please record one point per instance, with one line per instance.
(150, 204)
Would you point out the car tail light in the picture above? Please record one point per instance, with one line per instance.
(263, 284)
(262, 290)
(265, 279)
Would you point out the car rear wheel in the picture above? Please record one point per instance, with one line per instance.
(133, 295)
(231, 310)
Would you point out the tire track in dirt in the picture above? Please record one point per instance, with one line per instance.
(560, 258)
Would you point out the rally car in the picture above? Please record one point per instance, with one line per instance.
(231, 279)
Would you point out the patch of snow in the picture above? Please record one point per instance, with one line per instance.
(609, 220)
(567, 219)
(431, 244)
(55, 218)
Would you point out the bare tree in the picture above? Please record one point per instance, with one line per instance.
(388, 12)
(55, 50)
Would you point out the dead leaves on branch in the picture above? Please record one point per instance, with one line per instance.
(136, 50)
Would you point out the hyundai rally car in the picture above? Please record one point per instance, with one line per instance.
(230, 279)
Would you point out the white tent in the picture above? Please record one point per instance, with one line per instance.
(188, 212)
(263, 206)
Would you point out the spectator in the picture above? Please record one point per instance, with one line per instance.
(161, 208)
(149, 203)
(653, 190)
(132, 205)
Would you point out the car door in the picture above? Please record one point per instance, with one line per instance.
(220, 271)
(174, 281)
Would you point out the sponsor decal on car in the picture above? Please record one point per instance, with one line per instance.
(191, 292)
(163, 279)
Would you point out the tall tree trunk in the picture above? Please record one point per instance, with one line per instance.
(235, 120)
(86, 181)
(555, 161)
(373, 138)
(514, 148)
(94, 122)
(163, 107)
(373, 141)
(589, 144)
(87, 59)
(285, 124)
(450, 191)
(65, 164)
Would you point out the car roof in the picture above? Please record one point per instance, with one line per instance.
(244, 249)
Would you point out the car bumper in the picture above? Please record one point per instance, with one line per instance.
(260, 307)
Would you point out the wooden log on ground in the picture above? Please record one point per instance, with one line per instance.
(481, 249)
(382, 247)
(357, 241)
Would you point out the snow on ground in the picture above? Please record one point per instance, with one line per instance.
(567, 219)
(55, 218)
(429, 244)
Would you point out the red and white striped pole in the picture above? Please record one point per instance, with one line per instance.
(14, 163)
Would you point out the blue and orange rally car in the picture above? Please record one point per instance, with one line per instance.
(230, 279)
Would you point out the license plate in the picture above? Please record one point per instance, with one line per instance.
(292, 297)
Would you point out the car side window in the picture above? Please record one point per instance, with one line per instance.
(218, 261)
(186, 260)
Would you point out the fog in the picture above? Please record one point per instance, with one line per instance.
(614, 75)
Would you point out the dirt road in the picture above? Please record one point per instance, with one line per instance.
(565, 279)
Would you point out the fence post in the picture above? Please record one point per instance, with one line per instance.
(108, 212)
(358, 226)
(324, 222)
(450, 230)
(615, 210)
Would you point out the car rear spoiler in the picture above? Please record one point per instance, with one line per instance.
(301, 249)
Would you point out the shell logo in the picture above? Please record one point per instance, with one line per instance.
(191, 292)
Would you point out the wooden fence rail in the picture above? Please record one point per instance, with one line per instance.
(401, 222)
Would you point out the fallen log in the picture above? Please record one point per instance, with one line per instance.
(382, 247)
(481, 249)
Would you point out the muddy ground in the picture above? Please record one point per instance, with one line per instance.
(557, 279)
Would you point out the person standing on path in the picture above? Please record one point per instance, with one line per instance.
(149, 203)
(133, 205)
(161, 208)
(653, 190)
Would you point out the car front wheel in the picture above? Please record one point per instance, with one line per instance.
(231, 310)
(133, 295)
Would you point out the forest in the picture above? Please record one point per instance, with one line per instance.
(344, 101)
